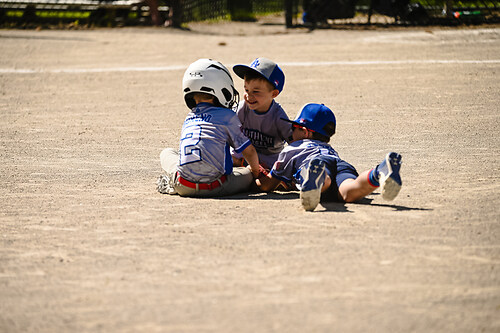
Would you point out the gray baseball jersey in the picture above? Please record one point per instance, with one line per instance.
(296, 156)
(207, 134)
(267, 132)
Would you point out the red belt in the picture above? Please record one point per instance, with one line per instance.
(202, 186)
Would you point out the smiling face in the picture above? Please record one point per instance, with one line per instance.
(259, 94)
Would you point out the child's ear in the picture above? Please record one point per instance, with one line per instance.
(275, 93)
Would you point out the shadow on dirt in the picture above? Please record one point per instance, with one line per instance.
(341, 207)
(262, 196)
(329, 206)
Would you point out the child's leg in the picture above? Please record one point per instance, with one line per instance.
(354, 189)
(386, 175)
(168, 158)
(238, 181)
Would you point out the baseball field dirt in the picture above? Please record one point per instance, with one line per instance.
(88, 244)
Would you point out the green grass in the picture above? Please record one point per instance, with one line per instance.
(14, 13)
(65, 15)
(51, 14)
(70, 15)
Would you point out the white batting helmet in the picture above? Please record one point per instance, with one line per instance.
(210, 77)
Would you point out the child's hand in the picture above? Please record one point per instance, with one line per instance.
(266, 182)
(238, 162)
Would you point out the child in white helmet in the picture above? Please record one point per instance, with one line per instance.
(203, 166)
(317, 169)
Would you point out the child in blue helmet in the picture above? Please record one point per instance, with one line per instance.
(317, 169)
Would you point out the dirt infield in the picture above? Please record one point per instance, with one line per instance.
(88, 245)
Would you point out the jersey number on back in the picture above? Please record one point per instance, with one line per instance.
(190, 153)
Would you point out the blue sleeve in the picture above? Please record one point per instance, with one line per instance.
(237, 139)
(283, 179)
(243, 147)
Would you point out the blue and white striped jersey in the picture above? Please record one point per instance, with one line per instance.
(207, 134)
(296, 156)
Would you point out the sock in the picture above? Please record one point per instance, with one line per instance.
(373, 177)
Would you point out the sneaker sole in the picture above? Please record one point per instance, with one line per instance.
(392, 183)
(390, 189)
(310, 199)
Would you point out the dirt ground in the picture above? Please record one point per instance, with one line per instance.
(88, 245)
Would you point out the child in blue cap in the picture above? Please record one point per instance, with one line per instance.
(263, 120)
(317, 169)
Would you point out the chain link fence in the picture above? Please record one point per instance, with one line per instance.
(403, 11)
(201, 10)
(295, 12)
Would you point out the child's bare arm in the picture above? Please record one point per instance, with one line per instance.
(250, 155)
(267, 183)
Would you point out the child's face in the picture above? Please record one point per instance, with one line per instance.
(259, 94)
(299, 133)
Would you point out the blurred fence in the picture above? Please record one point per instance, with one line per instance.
(321, 12)
(200, 10)
(99, 12)
(439, 11)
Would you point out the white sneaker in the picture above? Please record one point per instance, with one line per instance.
(390, 179)
(310, 192)
(164, 185)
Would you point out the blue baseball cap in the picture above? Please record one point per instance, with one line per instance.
(317, 118)
(266, 68)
